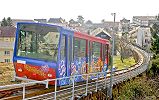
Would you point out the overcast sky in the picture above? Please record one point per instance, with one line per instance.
(95, 10)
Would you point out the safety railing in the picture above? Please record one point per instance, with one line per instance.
(74, 89)
(98, 83)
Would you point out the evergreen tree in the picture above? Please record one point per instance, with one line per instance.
(9, 21)
(155, 49)
(6, 22)
(155, 39)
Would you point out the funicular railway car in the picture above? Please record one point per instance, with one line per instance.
(44, 51)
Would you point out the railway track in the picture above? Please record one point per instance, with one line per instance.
(5, 93)
(75, 89)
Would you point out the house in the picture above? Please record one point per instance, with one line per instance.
(15, 21)
(7, 34)
(132, 35)
(124, 25)
(88, 22)
(108, 26)
(143, 36)
(143, 20)
(6, 51)
(100, 32)
(7, 37)
(41, 20)
(152, 22)
(58, 21)
(78, 26)
(140, 36)
(74, 24)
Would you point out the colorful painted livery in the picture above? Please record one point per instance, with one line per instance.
(44, 51)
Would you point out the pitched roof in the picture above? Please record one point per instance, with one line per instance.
(134, 30)
(15, 21)
(41, 20)
(124, 20)
(99, 30)
(111, 23)
(71, 21)
(55, 20)
(89, 22)
(7, 31)
(106, 24)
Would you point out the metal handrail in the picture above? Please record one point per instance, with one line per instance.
(119, 76)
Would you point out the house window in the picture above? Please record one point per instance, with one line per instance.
(146, 35)
(6, 60)
(103, 36)
(6, 39)
(7, 52)
(146, 40)
(57, 36)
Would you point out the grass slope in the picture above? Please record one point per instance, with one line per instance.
(127, 62)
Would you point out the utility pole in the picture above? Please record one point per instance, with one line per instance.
(111, 74)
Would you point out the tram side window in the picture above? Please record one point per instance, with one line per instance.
(79, 48)
(90, 56)
(105, 48)
(96, 50)
(63, 49)
(70, 48)
(104, 52)
(96, 56)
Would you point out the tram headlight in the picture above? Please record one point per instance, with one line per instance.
(49, 75)
(20, 70)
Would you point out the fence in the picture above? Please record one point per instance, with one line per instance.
(101, 80)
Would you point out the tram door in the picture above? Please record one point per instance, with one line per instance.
(63, 57)
(70, 54)
(66, 54)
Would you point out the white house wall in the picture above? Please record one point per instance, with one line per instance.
(142, 34)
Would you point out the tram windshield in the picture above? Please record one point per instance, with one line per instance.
(38, 42)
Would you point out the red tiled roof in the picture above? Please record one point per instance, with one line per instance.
(7, 31)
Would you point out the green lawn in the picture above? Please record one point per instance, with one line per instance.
(127, 62)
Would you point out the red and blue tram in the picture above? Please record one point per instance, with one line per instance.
(44, 51)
